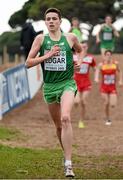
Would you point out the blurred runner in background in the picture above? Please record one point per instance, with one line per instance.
(108, 69)
(75, 28)
(83, 81)
(106, 36)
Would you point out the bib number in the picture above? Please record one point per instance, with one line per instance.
(107, 36)
(109, 79)
(56, 63)
(84, 68)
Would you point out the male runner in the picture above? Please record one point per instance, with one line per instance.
(56, 58)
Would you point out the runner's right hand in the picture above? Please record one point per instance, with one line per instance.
(54, 51)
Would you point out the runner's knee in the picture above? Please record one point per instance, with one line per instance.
(112, 105)
(65, 121)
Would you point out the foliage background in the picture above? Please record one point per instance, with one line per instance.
(89, 11)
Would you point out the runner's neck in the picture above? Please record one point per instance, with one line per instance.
(55, 36)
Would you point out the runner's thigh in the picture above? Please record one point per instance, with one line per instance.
(67, 101)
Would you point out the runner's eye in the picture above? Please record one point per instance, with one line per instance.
(84, 46)
(51, 18)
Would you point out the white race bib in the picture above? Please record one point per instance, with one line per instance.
(84, 68)
(56, 63)
(107, 36)
(109, 79)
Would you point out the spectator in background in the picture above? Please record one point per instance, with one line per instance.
(27, 36)
(106, 36)
(75, 28)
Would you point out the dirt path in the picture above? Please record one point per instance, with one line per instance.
(33, 120)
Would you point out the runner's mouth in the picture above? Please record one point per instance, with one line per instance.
(51, 26)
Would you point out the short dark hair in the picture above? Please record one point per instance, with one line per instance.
(108, 15)
(75, 18)
(108, 50)
(85, 42)
(54, 10)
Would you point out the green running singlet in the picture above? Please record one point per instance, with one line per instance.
(57, 68)
(107, 38)
(78, 33)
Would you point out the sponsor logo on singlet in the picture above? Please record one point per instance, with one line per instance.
(88, 59)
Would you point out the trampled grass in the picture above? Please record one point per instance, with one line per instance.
(18, 163)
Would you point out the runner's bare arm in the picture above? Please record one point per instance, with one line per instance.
(94, 66)
(120, 74)
(97, 72)
(33, 59)
(78, 49)
(76, 44)
(98, 34)
(116, 33)
(73, 42)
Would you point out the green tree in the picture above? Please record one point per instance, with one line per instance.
(86, 10)
(92, 11)
(11, 40)
(19, 17)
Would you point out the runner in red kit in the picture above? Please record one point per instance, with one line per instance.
(109, 78)
(83, 80)
(108, 69)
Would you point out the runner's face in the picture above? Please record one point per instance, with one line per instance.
(108, 56)
(75, 23)
(52, 21)
(108, 20)
(84, 47)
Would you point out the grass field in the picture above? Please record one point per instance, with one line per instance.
(18, 163)
(9, 133)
